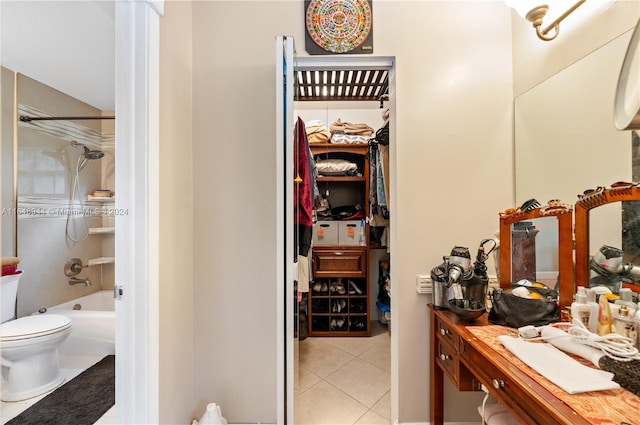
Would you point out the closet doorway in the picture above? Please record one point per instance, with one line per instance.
(338, 348)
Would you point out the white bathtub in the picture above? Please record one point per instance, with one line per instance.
(93, 329)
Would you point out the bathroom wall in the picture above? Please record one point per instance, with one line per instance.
(46, 170)
(453, 174)
(177, 368)
(8, 228)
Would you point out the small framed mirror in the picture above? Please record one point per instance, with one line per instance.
(607, 232)
(537, 244)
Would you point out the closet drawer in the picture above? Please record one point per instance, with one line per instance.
(339, 262)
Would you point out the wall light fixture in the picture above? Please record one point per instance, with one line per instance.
(534, 12)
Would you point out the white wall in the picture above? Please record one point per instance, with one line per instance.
(177, 401)
(453, 176)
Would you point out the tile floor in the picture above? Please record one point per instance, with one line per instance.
(342, 381)
(71, 366)
(345, 380)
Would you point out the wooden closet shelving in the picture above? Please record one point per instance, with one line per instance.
(341, 266)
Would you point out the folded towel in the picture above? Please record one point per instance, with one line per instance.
(559, 368)
(8, 270)
(349, 128)
(10, 261)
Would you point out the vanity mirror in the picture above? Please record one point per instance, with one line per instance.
(536, 244)
(607, 260)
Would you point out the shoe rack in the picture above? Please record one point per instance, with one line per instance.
(339, 294)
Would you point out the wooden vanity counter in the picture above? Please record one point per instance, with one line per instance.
(471, 355)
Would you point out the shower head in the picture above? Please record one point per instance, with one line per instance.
(87, 156)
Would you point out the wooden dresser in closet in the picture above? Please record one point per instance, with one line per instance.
(340, 293)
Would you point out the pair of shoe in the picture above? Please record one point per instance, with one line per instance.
(336, 324)
(358, 325)
(338, 306)
(353, 288)
(337, 287)
(321, 286)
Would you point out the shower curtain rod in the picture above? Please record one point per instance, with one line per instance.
(27, 118)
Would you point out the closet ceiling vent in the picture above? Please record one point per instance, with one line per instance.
(345, 84)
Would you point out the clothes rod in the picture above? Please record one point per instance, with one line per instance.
(27, 118)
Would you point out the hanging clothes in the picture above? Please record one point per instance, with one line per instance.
(303, 196)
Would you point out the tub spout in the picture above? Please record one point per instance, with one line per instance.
(75, 281)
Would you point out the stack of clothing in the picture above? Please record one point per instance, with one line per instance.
(10, 266)
(348, 133)
(317, 132)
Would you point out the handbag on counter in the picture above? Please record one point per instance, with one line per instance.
(514, 311)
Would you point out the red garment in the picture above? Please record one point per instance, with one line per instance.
(303, 192)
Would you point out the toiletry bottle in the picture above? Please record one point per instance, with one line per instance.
(604, 316)
(363, 239)
(593, 305)
(626, 298)
(580, 310)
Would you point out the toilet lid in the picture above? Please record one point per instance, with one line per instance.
(33, 326)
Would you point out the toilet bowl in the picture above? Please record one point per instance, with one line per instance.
(28, 346)
(29, 349)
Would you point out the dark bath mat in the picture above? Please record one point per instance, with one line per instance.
(81, 401)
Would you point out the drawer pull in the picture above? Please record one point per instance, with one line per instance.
(498, 384)
(337, 254)
(444, 332)
(444, 357)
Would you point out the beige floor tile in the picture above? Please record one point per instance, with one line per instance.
(353, 345)
(383, 406)
(322, 358)
(324, 404)
(372, 418)
(307, 379)
(378, 355)
(362, 381)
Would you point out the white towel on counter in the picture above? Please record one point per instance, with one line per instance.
(559, 368)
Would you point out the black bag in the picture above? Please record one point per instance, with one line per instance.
(514, 311)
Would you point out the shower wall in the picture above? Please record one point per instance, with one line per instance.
(46, 168)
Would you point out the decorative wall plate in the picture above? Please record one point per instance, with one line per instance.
(338, 26)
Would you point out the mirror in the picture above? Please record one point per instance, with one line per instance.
(565, 137)
(537, 245)
(607, 262)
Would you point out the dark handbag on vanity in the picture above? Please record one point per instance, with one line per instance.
(514, 311)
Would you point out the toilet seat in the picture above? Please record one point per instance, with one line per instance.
(33, 327)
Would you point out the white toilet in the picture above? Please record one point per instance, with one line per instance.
(29, 347)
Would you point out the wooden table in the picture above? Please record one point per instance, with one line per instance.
(469, 355)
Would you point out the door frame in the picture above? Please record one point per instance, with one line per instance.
(284, 279)
(137, 187)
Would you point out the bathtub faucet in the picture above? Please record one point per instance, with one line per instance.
(75, 281)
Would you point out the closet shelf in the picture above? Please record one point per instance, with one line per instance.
(101, 198)
(340, 179)
(101, 230)
(101, 260)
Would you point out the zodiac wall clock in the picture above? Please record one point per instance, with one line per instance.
(338, 26)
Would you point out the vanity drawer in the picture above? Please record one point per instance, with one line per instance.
(447, 359)
(446, 333)
(339, 262)
(522, 403)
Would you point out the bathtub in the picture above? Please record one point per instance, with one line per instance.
(93, 329)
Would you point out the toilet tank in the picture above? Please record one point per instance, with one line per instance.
(9, 287)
